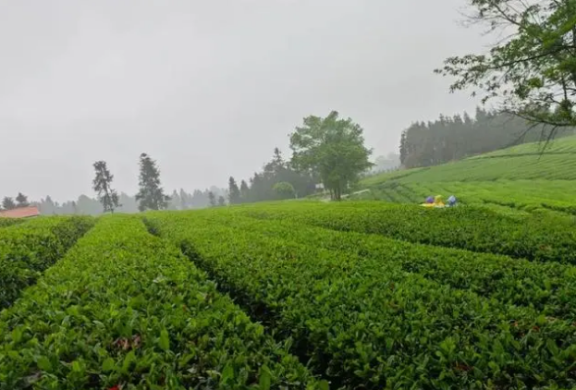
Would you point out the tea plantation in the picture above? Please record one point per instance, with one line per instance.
(295, 295)
(524, 178)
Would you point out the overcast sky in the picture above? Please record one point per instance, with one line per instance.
(208, 87)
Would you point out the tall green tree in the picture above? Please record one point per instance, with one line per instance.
(233, 191)
(151, 195)
(22, 200)
(221, 201)
(102, 184)
(532, 71)
(8, 203)
(332, 147)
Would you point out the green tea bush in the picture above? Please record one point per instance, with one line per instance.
(28, 249)
(475, 229)
(127, 310)
(365, 322)
(547, 287)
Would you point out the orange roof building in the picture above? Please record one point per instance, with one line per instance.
(21, 212)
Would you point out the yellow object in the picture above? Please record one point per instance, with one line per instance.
(438, 203)
(438, 199)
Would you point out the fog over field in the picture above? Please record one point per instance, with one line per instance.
(208, 88)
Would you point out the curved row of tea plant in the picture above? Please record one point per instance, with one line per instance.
(518, 195)
(125, 310)
(368, 323)
(550, 288)
(28, 249)
(475, 229)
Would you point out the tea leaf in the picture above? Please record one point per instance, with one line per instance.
(164, 340)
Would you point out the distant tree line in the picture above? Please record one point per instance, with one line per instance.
(328, 151)
(149, 197)
(452, 138)
(179, 200)
(277, 180)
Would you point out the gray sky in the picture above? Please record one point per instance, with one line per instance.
(208, 87)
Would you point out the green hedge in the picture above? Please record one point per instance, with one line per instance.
(548, 287)
(126, 309)
(28, 249)
(367, 323)
(477, 229)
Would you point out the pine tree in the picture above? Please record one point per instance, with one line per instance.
(151, 195)
(22, 200)
(234, 192)
(221, 201)
(8, 203)
(212, 199)
(403, 152)
(102, 185)
(277, 165)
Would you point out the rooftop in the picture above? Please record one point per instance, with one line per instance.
(22, 212)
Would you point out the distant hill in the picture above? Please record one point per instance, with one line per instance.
(524, 177)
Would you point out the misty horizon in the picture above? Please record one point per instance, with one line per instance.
(208, 90)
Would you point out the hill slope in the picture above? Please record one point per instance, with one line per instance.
(523, 177)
